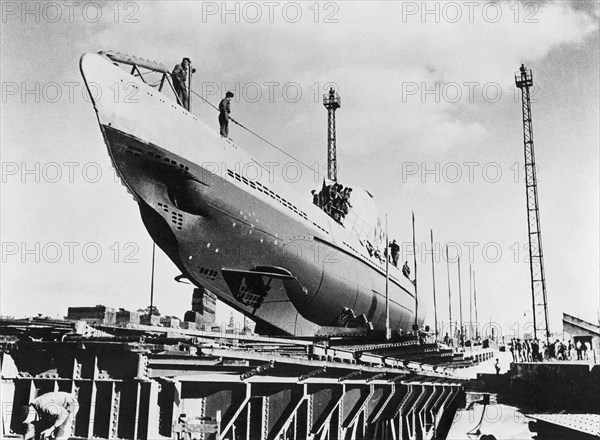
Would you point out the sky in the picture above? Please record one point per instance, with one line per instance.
(430, 123)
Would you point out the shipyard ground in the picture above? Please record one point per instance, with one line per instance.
(145, 382)
(148, 382)
(551, 400)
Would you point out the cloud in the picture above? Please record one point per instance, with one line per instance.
(375, 53)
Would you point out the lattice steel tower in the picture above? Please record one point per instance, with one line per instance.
(332, 102)
(524, 80)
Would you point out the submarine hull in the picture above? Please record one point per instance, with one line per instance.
(253, 241)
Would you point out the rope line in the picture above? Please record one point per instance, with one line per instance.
(259, 136)
(287, 154)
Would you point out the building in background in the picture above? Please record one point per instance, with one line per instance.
(579, 330)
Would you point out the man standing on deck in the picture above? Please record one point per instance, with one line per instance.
(179, 75)
(51, 415)
(395, 251)
(224, 110)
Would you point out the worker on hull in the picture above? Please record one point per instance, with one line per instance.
(180, 75)
(224, 110)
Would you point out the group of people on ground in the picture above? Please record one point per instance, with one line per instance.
(526, 350)
(530, 350)
(570, 351)
(180, 75)
(334, 199)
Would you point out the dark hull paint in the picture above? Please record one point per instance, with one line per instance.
(231, 228)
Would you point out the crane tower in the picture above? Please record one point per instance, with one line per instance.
(332, 102)
(524, 80)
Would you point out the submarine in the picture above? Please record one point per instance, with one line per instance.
(233, 226)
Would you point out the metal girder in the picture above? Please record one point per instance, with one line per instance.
(291, 415)
(577, 424)
(350, 375)
(138, 404)
(312, 374)
(428, 408)
(453, 392)
(176, 402)
(142, 367)
(411, 416)
(446, 397)
(422, 411)
(391, 410)
(403, 409)
(326, 415)
(263, 416)
(440, 400)
(258, 370)
(298, 361)
(237, 411)
(397, 378)
(374, 418)
(8, 394)
(376, 376)
(416, 408)
(438, 406)
(410, 394)
(360, 405)
(90, 427)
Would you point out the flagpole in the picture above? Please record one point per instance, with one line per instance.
(152, 283)
(460, 334)
(189, 94)
(475, 297)
(470, 302)
(387, 282)
(449, 291)
(433, 276)
(415, 264)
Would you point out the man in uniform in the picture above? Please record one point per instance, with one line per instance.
(50, 416)
(224, 110)
(395, 251)
(179, 75)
